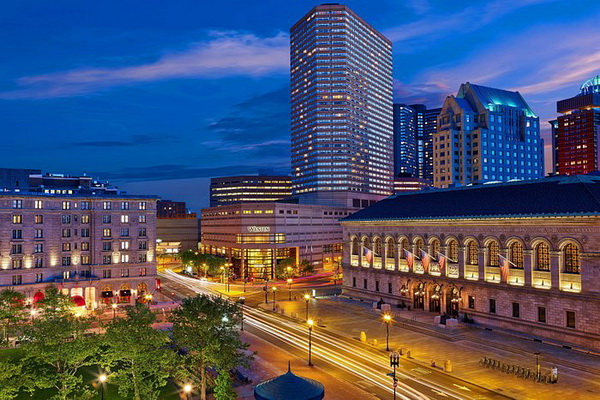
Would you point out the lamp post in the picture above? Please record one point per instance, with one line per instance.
(289, 282)
(274, 290)
(307, 298)
(387, 318)
(187, 389)
(537, 365)
(310, 324)
(229, 265)
(114, 307)
(102, 380)
(395, 362)
(242, 300)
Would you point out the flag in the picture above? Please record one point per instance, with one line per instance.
(441, 262)
(504, 268)
(410, 259)
(368, 254)
(425, 260)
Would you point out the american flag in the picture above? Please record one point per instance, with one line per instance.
(425, 260)
(410, 259)
(441, 262)
(504, 268)
(368, 254)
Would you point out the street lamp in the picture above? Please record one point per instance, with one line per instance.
(242, 300)
(307, 298)
(537, 365)
(102, 380)
(387, 318)
(187, 389)
(148, 298)
(274, 290)
(310, 324)
(289, 282)
(114, 307)
(395, 362)
(266, 290)
(32, 312)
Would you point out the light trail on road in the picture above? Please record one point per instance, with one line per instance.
(338, 351)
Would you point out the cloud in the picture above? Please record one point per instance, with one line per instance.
(432, 94)
(176, 171)
(225, 54)
(136, 140)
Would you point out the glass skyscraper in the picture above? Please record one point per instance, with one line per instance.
(486, 134)
(341, 95)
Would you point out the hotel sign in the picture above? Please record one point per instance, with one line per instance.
(258, 229)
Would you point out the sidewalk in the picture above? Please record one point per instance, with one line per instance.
(463, 346)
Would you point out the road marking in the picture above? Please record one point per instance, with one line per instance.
(439, 393)
(462, 387)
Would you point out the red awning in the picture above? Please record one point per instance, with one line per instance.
(39, 296)
(79, 301)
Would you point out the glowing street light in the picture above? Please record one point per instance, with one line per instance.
(102, 380)
(187, 389)
(274, 300)
(310, 324)
(307, 298)
(387, 318)
(114, 307)
(289, 282)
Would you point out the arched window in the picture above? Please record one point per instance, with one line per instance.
(355, 247)
(472, 253)
(391, 249)
(418, 247)
(572, 262)
(377, 247)
(542, 257)
(493, 249)
(435, 248)
(453, 251)
(403, 246)
(515, 254)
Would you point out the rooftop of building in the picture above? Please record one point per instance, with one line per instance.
(492, 96)
(16, 193)
(558, 196)
(590, 86)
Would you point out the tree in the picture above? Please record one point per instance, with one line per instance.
(282, 271)
(10, 378)
(205, 329)
(11, 312)
(55, 349)
(224, 387)
(306, 267)
(137, 356)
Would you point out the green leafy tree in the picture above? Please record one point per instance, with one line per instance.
(306, 267)
(10, 378)
(224, 387)
(285, 268)
(137, 356)
(55, 348)
(11, 312)
(206, 329)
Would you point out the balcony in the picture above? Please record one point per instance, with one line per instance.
(377, 262)
(471, 272)
(354, 260)
(516, 277)
(492, 274)
(452, 271)
(570, 282)
(418, 268)
(541, 279)
(403, 266)
(390, 264)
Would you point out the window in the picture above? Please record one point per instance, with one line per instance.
(38, 248)
(403, 246)
(66, 219)
(418, 247)
(364, 283)
(142, 258)
(39, 278)
(38, 219)
(125, 273)
(85, 219)
(16, 249)
(143, 245)
(124, 205)
(142, 271)
(106, 205)
(17, 234)
(124, 219)
(106, 246)
(124, 258)
(66, 247)
(66, 233)
(124, 245)
(85, 246)
(516, 310)
(106, 232)
(570, 319)
(472, 253)
(377, 286)
(66, 261)
(38, 263)
(17, 219)
(389, 287)
(106, 273)
(106, 259)
(124, 231)
(85, 232)
(38, 204)
(66, 205)
(515, 254)
(143, 205)
(453, 251)
(17, 264)
(542, 257)
(106, 219)
(353, 281)
(38, 234)
(492, 306)
(493, 254)
(17, 203)
(471, 302)
(142, 232)
(542, 314)
(142, 219)
(571, 256)
(85, 205)
(17, 279)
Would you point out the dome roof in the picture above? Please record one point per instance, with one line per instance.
(591, 86)
(289, 386)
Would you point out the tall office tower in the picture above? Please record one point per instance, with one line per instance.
(576, 133)
(426, 124)
(486, 134)
(405, 140)
(341, 92)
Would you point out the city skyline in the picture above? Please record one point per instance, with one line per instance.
(126, 97)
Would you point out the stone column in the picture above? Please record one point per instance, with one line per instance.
(481, 263)
(444, 251)
(527, 266)
(555, 269)
(461, 261)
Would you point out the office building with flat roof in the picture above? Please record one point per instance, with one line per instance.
(249, 188)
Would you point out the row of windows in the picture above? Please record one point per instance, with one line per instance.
(107, 273)
(85, 205)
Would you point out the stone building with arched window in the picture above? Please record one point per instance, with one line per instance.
(518, 256)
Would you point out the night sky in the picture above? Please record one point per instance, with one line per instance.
(159, 96)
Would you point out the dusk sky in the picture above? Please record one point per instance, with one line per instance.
(158, 97)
